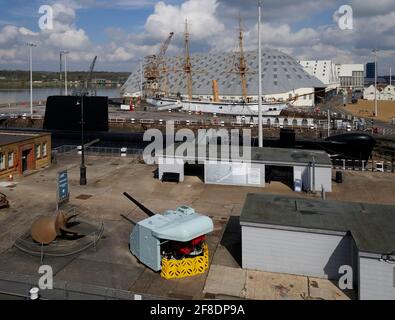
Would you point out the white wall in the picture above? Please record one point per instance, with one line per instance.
(293, 252)
(323, 177)
(234, 173)
(376, 280)
(170, 165)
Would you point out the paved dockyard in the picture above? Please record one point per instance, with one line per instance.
(111, 265)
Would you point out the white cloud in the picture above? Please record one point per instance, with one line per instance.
(213, 26)
(70, 39)
(201, 15)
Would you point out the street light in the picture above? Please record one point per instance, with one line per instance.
(31, 45)
(260, 120)
(65, 53)
(375, 82)
(83, 180)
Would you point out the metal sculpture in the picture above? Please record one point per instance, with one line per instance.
(46, 229)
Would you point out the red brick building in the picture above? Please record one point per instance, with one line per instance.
(22, 152)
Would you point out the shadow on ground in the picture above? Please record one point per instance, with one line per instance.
(231, 239)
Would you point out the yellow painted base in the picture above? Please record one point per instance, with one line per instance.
(186, 267)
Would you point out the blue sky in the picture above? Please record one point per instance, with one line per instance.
(121, 32)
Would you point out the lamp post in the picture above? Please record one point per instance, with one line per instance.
(141, 77)
(83, 180)
(65, 53)
(375, 83)
(260, 129)
(31, 45)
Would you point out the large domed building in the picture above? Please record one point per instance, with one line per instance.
(283, 78)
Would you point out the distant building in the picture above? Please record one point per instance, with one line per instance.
(323, 70)
(351, 76)
(21, 152)
(386, 94)
(370, 70)
(370, 93)
(283, 78)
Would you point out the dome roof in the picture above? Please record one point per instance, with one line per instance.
(280, 74)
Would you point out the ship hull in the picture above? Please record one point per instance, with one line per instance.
(236, 109)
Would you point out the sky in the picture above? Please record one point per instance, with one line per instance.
(121, 32)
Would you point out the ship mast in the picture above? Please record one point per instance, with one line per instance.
(187, 64)
(242, 66)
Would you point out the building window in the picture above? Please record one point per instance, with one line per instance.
(2, 161)
(38, 151)
(10, 160)
(44, 149)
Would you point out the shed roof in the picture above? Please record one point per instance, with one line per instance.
(371, 225)
(8, 137)
(280, 156)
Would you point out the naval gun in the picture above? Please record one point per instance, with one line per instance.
(173, 242)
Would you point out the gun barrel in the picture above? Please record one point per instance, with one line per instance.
(140, 205)
(128, 219)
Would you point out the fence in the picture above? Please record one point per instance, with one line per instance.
(18, 286)
(106, 151)
(356, 165)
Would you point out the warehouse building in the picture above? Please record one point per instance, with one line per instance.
(351, 76)
(319, 238)
(283, 78)
(312, 169)
(23, 152)
(323, 70)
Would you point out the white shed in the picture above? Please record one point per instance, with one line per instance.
(316, 238)
(255, 167)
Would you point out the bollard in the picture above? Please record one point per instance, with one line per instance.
(124, 152)
(34, 293)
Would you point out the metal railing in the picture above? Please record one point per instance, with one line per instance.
(107, 151)
(19, 285)
(356, 165)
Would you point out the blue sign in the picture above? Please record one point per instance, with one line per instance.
(63, 186)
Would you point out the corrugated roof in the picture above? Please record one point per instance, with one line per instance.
(281, 74)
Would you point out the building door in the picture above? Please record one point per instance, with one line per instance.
(25, 160)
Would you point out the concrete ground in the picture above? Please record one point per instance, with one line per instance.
(112, 265)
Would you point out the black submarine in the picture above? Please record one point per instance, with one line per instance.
(349, 146)
(63, 120)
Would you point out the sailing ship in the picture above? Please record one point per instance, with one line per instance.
(213, 106)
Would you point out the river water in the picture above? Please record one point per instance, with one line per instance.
(23, 95)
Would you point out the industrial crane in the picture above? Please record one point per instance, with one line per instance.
(89, 77)
(156, 66)
(85, 87)
(187, 63)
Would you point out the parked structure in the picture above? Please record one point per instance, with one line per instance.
(321, 239)
(256, 167)
(21, 152)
